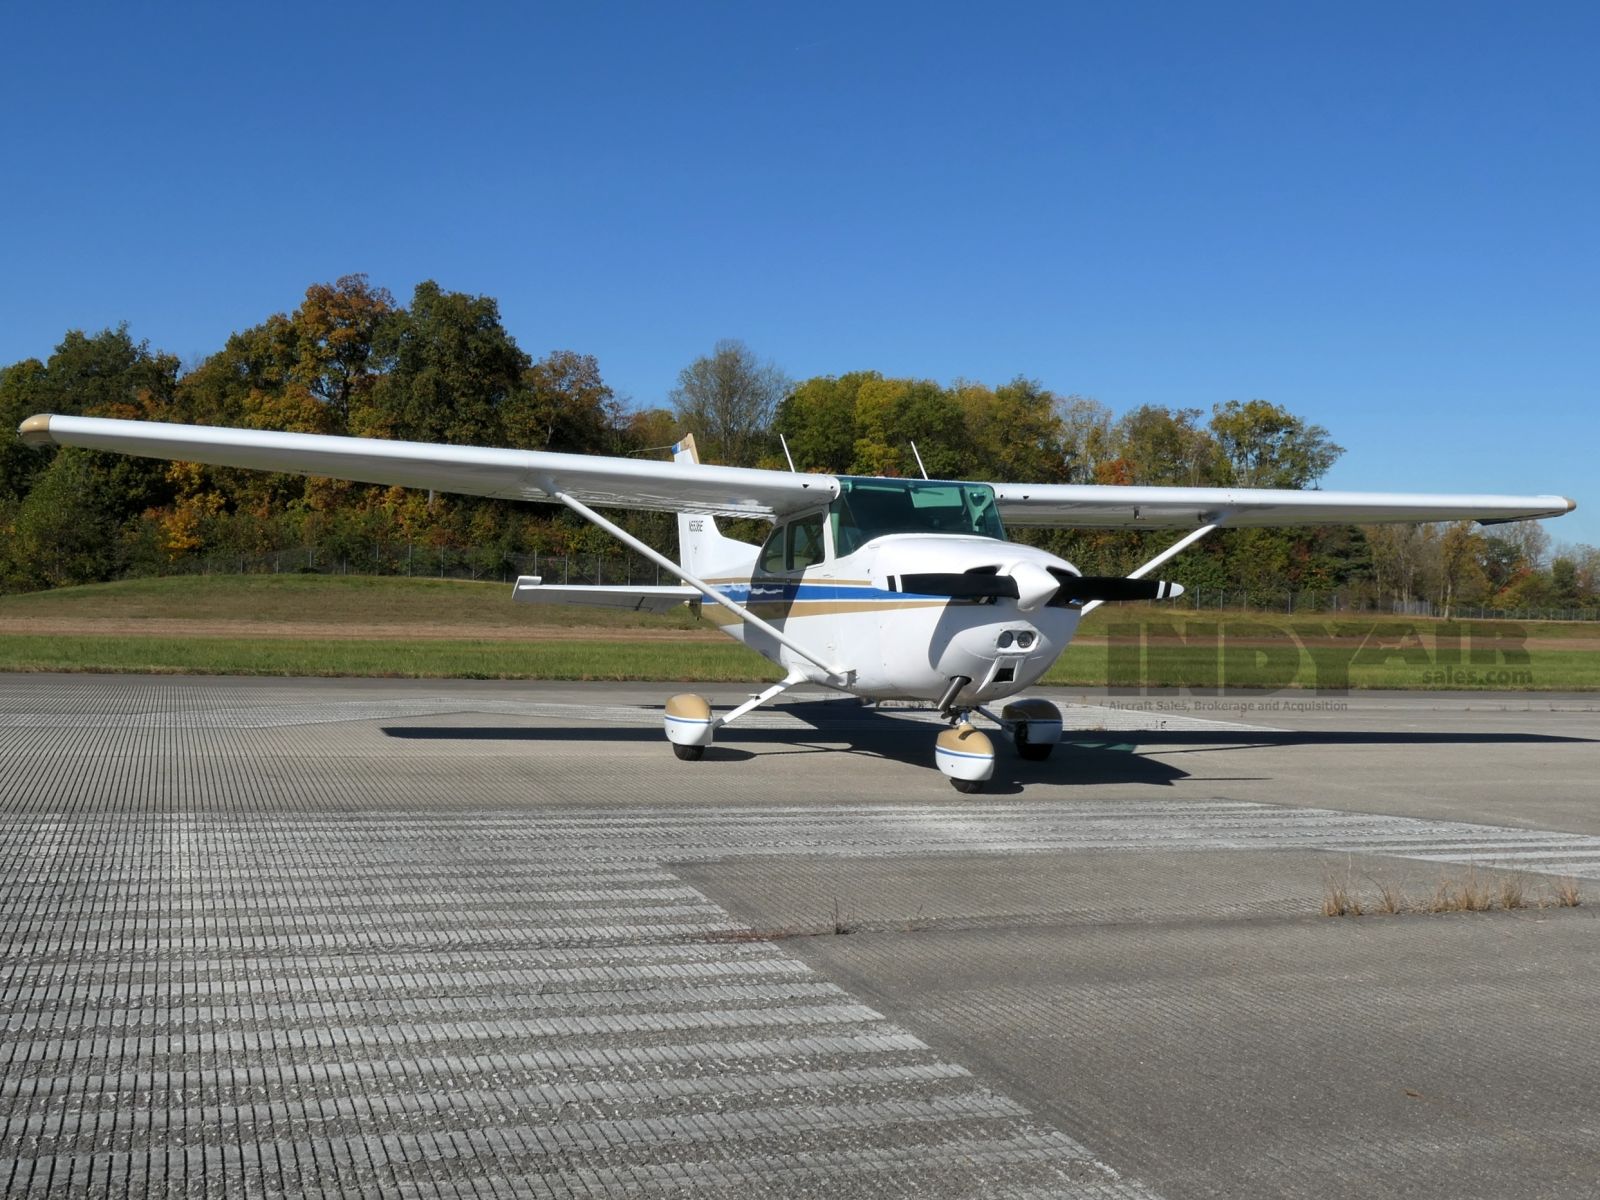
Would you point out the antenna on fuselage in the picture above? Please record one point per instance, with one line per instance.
(784, 442)
(918, 453)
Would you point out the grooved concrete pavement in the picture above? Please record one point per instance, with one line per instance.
(372, 938)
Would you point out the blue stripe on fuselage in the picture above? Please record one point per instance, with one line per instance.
(788, 593)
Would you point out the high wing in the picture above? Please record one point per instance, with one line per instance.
(741, 491)
(472, 470)
(1100, 506)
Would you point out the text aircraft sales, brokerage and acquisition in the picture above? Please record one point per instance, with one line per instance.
(882, 588)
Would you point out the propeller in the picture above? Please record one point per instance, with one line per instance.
(1031, 585)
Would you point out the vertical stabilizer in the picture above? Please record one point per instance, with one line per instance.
(702, 550)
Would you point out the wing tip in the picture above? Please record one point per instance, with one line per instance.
(35, 431)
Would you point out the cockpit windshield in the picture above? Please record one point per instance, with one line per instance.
(869, 508)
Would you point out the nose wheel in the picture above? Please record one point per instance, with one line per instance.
(966, 756)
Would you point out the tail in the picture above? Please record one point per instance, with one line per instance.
(702, 550)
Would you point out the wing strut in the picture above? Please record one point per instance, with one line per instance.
(1181, 544)
(699, 585)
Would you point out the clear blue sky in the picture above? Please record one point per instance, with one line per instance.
(1384, 216)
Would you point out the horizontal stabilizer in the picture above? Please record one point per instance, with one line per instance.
(531, 589)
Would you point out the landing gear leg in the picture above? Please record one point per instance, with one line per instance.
(691, 726)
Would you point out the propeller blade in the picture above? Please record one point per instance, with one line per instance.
(985, 584)
(960, 585)
(1080, 589)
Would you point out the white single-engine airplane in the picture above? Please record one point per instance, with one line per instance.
(882, 588)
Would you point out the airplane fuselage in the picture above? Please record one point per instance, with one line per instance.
(896, 643)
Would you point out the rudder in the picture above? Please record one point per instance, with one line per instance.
(701, 547)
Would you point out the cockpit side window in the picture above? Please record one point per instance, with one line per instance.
(793, 547)
(771, 560)
(805, 542)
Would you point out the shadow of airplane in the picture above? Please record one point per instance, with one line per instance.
(1084, 757)
(1314, 737)
(863, 731)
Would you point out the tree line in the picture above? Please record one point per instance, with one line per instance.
(351, 360)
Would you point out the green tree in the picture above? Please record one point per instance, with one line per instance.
(1166, 446)
(66, 528)
(23, 392)
(818, 418)
(650, 429)
(336, 356)
(563, 405)
(890, 414)
(1011, 432)
(1265, 445)
(455, 370)
(1564, 592)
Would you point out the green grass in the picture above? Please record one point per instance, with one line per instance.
(1095, 627)
(1279, 658)
(698, 662)
(1088, 664)
(336, 599)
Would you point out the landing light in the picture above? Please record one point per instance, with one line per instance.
(1021, 637)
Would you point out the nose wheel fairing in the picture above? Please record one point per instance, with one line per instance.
(965, 755)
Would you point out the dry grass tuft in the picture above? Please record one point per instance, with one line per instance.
(841, 924)
(1476, 895)
(1340, 900)
(1468, 893)
(1443, 898)
(1465, 892)
(1391, 900)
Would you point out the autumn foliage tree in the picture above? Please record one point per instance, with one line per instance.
(352, 359)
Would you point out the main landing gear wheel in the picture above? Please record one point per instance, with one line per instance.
(688, 753)
(967, 785)
(1035, 727)
(1032, 751)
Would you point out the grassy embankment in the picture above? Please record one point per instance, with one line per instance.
(352, 625)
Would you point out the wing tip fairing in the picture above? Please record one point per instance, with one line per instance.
(35, 431)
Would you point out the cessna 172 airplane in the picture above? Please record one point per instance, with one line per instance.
(882, 588)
